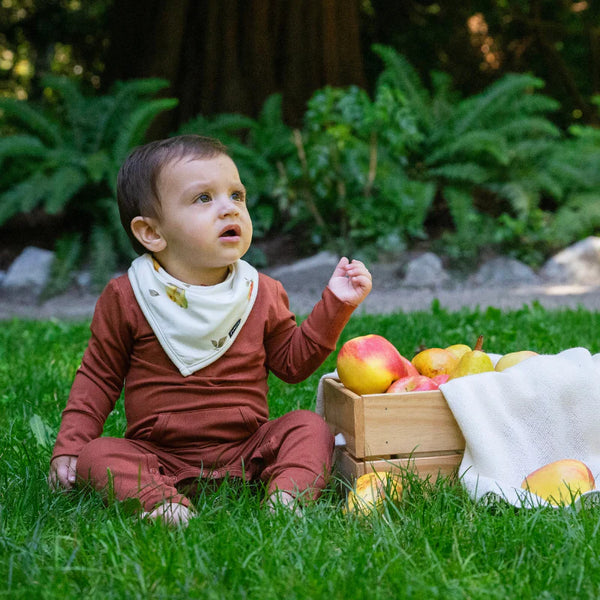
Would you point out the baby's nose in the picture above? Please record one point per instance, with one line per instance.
(229, 206)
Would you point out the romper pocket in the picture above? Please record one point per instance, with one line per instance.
(207, 425)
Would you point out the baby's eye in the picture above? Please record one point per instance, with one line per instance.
(238, 196)
(203, 198)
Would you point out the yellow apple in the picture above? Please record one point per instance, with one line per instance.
(435, 361)
(561, 481)
(368, 364)
(371, 490)
(513, 358)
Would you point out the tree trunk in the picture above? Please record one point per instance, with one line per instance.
(230, 55)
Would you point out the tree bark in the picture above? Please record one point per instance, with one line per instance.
(230, 55)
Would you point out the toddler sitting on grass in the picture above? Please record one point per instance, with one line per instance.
(191, 332)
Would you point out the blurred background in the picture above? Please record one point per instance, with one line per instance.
(371, 127)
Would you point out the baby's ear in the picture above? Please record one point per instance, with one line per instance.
(147, 234)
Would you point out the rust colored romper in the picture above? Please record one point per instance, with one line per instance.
(209, 424)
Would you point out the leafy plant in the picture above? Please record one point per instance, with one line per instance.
(497, 147)
(348, 174)
(62, 158)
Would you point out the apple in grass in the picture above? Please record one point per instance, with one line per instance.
(561, 481)
(369, 363)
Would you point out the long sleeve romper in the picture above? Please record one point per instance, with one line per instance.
(209, 424)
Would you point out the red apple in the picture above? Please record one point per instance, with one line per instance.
(368, 364)
(441, 378)
(412, 383)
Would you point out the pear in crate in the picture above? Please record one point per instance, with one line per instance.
(371, 490)
(561, 481)
(513, 358)
(368, 364)
(435, 361)
(473, 362)
(458, 349)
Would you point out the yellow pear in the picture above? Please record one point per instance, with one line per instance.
(473, 362)
(370, 491)
(513, 358)
(459, 349)
(434, 361)
(561, 481)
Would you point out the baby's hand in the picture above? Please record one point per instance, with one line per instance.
(62, 472)
(351, 281)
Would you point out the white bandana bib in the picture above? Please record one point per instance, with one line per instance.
(194, 324)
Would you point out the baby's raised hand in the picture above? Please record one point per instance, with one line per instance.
(351, 281)
(62, 472)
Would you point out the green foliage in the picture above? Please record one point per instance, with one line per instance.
(339, 179)
(364, 174)
(64, 158)
(373, 174)
(497, 162)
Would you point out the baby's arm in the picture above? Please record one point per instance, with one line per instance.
(96, 387)
(351, 281)
(62, 472)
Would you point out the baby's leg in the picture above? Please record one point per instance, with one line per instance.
(297, 452)
(125, 469)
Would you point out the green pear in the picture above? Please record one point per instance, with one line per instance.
(513, 358)
(475, 361)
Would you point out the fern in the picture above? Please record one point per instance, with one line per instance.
(68, 251)
(484, 108)
(64, 183)
(24, 196)
(400, 74)
(132, 132)
(578, 218)
(473, 143)
(469, 173)
(66, 152)
(31, 119)
(103, 257)
(21, 146)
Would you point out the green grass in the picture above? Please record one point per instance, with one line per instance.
(436, 544)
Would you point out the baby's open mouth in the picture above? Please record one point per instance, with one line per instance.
(232, 231)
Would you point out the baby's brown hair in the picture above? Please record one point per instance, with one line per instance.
(137, 181)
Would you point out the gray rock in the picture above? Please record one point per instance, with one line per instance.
(505, 271)
(29, 271)
(425, 270)
(308, 274)
(577, 264)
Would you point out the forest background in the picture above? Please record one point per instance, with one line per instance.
(376, 126)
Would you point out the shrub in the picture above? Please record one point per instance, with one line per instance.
(62, 156)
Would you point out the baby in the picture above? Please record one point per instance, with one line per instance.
(191, 333)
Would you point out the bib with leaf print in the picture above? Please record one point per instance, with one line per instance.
(194, 324)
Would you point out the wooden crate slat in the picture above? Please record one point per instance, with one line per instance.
(350, 467)
(388, 424)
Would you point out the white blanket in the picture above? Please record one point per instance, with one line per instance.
(541, 410)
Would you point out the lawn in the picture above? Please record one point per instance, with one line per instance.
(436, 544)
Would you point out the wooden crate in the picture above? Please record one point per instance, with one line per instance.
(414, 430)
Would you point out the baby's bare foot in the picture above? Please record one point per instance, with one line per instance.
(171, 514)
(284, 500)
